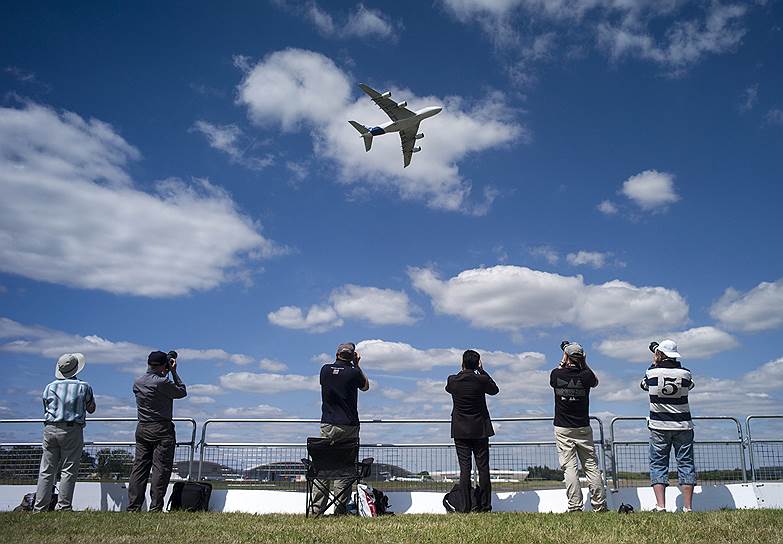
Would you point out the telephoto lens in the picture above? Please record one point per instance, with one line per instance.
(653, 346)
(172, 354)
(563, 344)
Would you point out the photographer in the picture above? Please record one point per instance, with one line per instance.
(340, 383)
(471, 427)
(155, 435)
(572, 381)
(670, 423)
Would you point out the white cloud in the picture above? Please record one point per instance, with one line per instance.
(317, 318)
(402, 357)
(70, 214)
(607, 207)
(231, 140)
(362, 22)
(196, 399)
(213, 354)
(204, 389)
(749, 98)
(261, 410)
(371, 304)
(298, 90)
(547, 253)
(759, 309)
(272, 366)
(760, 391)
(695, 343)
(651, 190)
(268, 383)
(370, 23)
(514, 297)
(775, 116)
(595, 259)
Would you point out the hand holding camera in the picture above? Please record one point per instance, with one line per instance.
(171, 360)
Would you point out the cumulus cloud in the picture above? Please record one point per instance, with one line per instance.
(371, 304)
(695, 343)
(607, 207)
(261, 410)
(70, 213)
(232, 141)
(548, 253)
(272, 366)
(651, 190)
(361, 22)
(402, 357)
(759, 309)
(50, 343)
(204, 389)
(672, 33)
(594, 259)
(253, 382)
(301, 90)
(514, 297)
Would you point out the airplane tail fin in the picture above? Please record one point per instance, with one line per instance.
(365, 132)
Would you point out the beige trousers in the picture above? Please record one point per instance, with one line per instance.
(577, 443)
(62, 453)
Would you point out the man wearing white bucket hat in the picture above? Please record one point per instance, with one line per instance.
(65, 402)
(670, 423)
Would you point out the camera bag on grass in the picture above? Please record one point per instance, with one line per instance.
(452, 501)
(28, 503)
(371, 502)
(190, 496)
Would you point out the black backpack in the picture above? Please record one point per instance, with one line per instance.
(452, 501)
(381, 502)
(190, 496)
(28, 503)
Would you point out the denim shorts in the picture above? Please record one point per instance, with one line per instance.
(661, 444)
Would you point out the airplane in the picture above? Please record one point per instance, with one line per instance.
(403, 120)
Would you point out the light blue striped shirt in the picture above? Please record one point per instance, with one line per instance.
(66, 401)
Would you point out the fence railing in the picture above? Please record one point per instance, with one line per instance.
(422, 465)
(717, 461)
(102, 460)
(765, 454)
(424, 460)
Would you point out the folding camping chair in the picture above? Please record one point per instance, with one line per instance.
(332, 460)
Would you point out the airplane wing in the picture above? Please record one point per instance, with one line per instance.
(408, 139)
(388, 105)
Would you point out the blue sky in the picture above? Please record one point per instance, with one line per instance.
(183, 176)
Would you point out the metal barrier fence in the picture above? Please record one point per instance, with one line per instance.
(765, 454)
(420, 466)
(101, 460)
(717, 461)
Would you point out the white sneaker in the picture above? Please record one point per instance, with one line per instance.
(657, 508)
(686, 510)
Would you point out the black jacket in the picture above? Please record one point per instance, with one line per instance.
(470, 416)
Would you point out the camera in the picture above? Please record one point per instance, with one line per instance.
(171, 355)
(563, 344)
(653, 346)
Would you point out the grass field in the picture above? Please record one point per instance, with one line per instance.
(735, 527)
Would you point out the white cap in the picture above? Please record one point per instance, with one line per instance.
(668, 348)
(68, 365)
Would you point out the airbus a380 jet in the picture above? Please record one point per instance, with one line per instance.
(403, 120)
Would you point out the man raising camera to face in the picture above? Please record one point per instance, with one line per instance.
(572, 381)
(156, 439)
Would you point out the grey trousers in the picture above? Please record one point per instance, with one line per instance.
(62, 452)
(577, 443)
(319, 498)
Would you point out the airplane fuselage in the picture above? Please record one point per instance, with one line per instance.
(408, 122)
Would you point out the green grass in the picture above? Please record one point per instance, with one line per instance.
(735, 527)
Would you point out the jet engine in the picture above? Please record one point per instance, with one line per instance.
(420, 135)
(387, 94)
(416, 149)
(402, 104)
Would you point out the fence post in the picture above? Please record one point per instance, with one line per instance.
(614, 455)
(201, 445)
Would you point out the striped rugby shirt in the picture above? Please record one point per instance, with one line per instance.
(668, 384)
(65, 401)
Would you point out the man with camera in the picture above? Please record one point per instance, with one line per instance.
(66, 402)
(670, 423)
(572, 381)
(340, 383)
(471, 428)
(155, 435)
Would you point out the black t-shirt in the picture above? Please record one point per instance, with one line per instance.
(572, 396)
(340, 383)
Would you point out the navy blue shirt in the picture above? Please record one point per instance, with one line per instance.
(340, 383)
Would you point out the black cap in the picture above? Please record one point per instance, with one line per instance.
(157, 358)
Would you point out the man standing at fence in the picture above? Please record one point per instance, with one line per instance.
(670, 423)
(572, 381)
(340, 383)
(471, 428)
(156, 438)
(65, 402)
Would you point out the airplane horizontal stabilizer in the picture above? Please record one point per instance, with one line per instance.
(365, 132)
